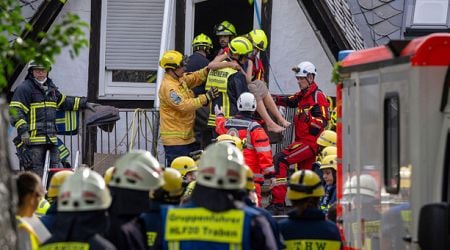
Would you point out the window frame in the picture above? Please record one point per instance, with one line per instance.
(391, 151)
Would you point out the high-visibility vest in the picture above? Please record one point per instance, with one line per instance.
(219, 79)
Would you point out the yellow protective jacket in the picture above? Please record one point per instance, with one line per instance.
(178, 105)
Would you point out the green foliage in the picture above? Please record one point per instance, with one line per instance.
(335, 75)
(69, 32)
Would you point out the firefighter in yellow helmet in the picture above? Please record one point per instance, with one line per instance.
(230, 82)
(225, 32)
(199, 59)
(329, 150)
(236, 141)
(217, 195)
(178, 100)
(328, 168)
(56, 182)
(82, 217)
(307, 225)
(168, 194)
(187, 168)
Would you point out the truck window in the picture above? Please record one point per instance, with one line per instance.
(392, 143)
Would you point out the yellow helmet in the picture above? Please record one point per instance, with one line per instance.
(240, 46)
(108, 174)
(225, 28)
(42, 208)
(304, 184)
(330, 150)
(202, 40)
(172, 189)
(329, 161)
(327, 138)
(56, 181)
(259, 39)
(184, 165)
(236, 141)
(172, 59)
(249, 184)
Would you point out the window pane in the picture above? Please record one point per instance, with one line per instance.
(431, 12)
(392, 143)
(134, 76)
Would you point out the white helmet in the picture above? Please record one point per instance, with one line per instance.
(367, 185)
(85, 190)
(222, 167)
(305, 68)
(246, 102)
(137, 170)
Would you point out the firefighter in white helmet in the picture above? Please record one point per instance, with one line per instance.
(82, 217)
(135, 175)
(215, 208)
(257, 151)
(364, 202)
(307, 224)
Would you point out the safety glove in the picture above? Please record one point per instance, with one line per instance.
(212, 93)
(25, 137)
(91, 106)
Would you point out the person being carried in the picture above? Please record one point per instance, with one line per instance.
(257, 86)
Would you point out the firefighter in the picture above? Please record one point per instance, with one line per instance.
(177, 100)
(311, 118)
(136, 174)
(215, 218)
(34, 106)
(234, 140)
(201, 45)
(326, 139)
(251, 199)
(362, 221)
(168, 194)
(257, 151)
(82, 216)
(187, 168)
(307, 226)
(225, 32)
(328, 168)
(52, 195)
(230, 82)
(31, 231)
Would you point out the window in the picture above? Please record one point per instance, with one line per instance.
(430, 12)
(130, 45)
(392, 143)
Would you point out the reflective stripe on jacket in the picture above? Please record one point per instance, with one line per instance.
(219, 79)
(257, 151)
(304, 122)
(34, 109)
(178, 106)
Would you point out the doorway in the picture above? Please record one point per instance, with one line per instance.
(209, 13)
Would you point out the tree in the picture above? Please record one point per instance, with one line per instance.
(14, 49)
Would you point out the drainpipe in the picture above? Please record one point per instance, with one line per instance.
(165, 41)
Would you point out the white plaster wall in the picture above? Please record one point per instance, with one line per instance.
(71, 75)
(293, 41)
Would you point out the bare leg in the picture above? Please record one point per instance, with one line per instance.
(270, 104)
(271, 125)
